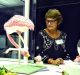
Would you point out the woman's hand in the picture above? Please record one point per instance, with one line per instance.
(38, 59)
(58, 61)
(77, 59)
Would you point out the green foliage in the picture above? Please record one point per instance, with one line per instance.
(3, 70)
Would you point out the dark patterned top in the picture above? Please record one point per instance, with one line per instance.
(48, 47)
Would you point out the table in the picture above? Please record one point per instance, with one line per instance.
(73, 68)
(50, 70)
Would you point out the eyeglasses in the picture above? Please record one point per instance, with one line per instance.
(50, 21)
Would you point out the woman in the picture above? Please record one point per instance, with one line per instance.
(50, 42)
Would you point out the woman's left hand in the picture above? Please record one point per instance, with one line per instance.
(77, 59)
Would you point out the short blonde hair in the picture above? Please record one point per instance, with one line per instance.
(55, 14)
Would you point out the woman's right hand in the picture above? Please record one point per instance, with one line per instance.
(38, 59)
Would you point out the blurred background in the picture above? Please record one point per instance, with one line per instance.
(70, 10)
(9, 8)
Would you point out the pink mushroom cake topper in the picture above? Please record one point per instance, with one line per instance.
(18, 24)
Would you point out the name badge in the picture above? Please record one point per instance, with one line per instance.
(58, 42)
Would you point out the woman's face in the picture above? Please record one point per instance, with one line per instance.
(51, 24)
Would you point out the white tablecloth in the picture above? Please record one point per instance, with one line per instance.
(52, 69)
(56, 70)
